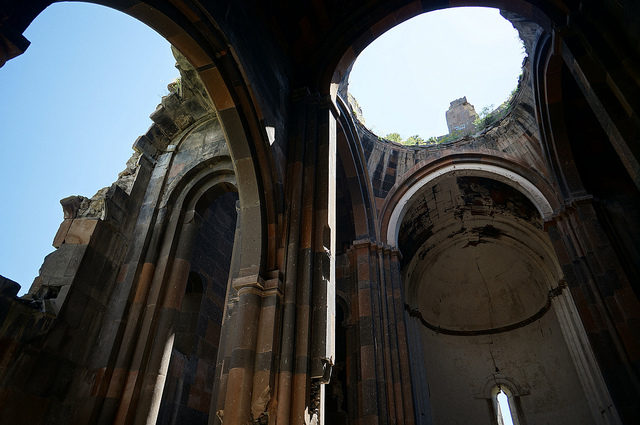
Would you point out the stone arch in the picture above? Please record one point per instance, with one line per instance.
(162, 289)
(207, 203)
(206, 48)
(383, 19)
(526, 243)
(568, 135)
(539, 193)
(349, 149)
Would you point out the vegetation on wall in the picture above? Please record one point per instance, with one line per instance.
(175, 86)
(394, 137)
(487, 117)
(415, 140)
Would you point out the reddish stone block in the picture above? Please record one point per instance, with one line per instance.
(58, 239)
(217, 89)
(80, 231)
(367, 362)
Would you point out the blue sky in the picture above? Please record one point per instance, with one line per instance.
(433, 59)
(73, 104)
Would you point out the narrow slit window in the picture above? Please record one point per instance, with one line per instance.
(504, 406)
(504, 411)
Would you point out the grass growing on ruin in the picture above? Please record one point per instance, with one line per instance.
(488, 116)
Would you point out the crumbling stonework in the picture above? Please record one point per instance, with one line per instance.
(265, 259)
(460, 117)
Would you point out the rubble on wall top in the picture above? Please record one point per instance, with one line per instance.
(460, 101)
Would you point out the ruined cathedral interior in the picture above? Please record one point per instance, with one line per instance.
(265, 258)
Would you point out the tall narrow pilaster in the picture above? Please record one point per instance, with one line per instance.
(309, 293)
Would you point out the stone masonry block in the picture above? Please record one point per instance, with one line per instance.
(80, 231)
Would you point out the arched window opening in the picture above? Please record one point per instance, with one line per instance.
(504, 411)
(504, 406)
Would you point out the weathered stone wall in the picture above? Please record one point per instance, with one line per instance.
(73, 291)
(99, 360)
(515, 137)
(61, 337)
(188, 390)
(461, 371)
(460, 117)
(596, 236)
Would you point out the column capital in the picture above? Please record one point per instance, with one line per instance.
(248, 283)
(268, 284)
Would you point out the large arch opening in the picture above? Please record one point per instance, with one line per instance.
(206, 49)
(461, 63)
(127, 304)
(481, 279)
(73, 106)
(191, 376)
(384, 170)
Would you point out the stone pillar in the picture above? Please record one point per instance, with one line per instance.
(309, 294)
(117, 380)
(604, 299)
(399, 317)
(246, 370)
(598, 398)
(372, 403)
(243, 326)
(162, 335)
(384, 375)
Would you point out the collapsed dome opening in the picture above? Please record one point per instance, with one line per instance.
(439, 76)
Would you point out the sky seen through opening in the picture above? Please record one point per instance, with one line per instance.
(73, 104)
(405, 80)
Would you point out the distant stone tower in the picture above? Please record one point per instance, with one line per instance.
(460, 116)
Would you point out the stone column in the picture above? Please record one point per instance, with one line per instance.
(604, 299)
(397, 300)
(163, 316)
(309, 294)
(246, 369)
(243, 335)
(384, 375)
(602, 408)
(372, 401)
(136, 276)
